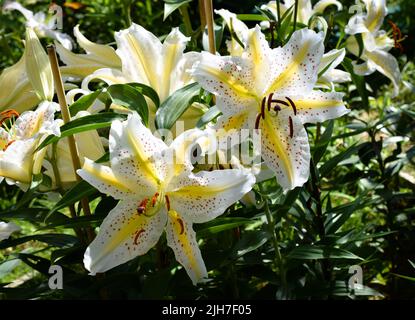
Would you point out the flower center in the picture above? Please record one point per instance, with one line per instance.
(7, 140)
(272, 106)
(150, 206)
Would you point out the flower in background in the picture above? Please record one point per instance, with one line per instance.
(328, 75)
(156, 194)
(20, 138)
(30, 80)
(6, 229)
(89, 145)
(376, 43)
(305, 9)
(272, 90)
(43, 25)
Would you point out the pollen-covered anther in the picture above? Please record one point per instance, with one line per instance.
(142, 206)
(154, 199)
(258, 118)
(8, 144)
(167, 202)
(137, 235)
(181, 224)
(263, 108)
(290, 123)
(292, 104)
(397, 36)
(5, 115)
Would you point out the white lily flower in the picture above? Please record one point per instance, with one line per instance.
(162, 66)
(272, 90)
(18, 142)
(43, 25)
(6, 229)
(329, 61)
(305, 9)
(327, 68)
(156, 193)
(376, 43)
(97, 56)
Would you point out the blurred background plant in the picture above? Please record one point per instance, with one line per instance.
(358, 207)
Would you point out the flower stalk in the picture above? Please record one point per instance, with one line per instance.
(209, 22)
(66, 118)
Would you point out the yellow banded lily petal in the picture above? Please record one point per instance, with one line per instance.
(238, 27)
(230, 78)
(376, 12)
(285, 149)
(123, 235)
(182, 239)
(16, 91)
(137, 48)
(172, 53)
(295, 65)
(319, 106)
(104, 179)
(386, 64)
(320, 6)
(38, 67)
(205, 195)
(134, 154)
(16, 162)
(101, 53)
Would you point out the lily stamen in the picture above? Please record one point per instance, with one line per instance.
(154, 199)
(258, 118)
(397, 36)
(142, 206)
(8, 144)
(292, 105)
(263, 108)
(290, 121)
(138, 233)
(167, 202)
(5, 115)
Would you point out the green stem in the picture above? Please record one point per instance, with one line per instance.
(186, 19)
(278, 14)
(295, 15)
(278, 261)
(127, 9)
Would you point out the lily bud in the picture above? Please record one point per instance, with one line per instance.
(38, 67)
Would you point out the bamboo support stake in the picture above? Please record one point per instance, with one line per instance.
(209, 21)
(66, 118)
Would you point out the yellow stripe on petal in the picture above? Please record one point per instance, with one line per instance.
(182, 239)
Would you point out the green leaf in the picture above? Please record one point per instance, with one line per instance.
(310, 252)
(333, 162)
(172, 5)
(84, 102)
(53, 239)
(219, 225)
(81, 190)
(91, 122)
(175, 105)
(251, 17)
(250, 241)
(323, 142)
(147, 91)
(359, 81)
(130, 97)
(209, 115)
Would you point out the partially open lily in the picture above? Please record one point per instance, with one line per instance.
(43, 25)
(376, 43)
(305, 9)
(272, 90)
(156, 193)
(19, 140)
(29, 81)
(6, 229)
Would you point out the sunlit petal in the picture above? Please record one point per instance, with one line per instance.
(182, 239)
(123, 235)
